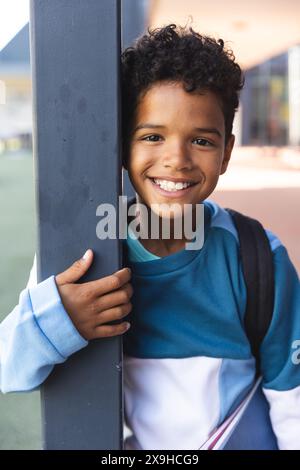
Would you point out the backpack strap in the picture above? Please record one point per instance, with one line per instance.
(257, 264)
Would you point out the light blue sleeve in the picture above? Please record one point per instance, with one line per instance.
(35, 336)
(280, 354)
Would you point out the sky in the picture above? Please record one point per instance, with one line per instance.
(14, 14)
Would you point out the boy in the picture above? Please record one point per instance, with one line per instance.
(187, 360)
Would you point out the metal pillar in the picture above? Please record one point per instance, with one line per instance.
(75, 47)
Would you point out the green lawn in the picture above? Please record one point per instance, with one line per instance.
(19, 412)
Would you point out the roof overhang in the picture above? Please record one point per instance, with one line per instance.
(255, 30)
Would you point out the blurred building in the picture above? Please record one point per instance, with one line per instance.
(271, 101)
(269, 114)
(16, 110)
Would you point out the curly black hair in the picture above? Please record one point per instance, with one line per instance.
(175, 53)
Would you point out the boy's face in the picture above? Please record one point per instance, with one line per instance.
(177, 136)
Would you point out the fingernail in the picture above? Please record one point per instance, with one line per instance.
(128, 269)
(86, 254)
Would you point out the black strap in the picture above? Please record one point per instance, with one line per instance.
(257, 265)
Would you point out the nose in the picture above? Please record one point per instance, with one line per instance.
(176, 156)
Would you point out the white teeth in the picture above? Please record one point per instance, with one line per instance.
(171, 185)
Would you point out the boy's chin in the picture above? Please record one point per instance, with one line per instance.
(170, 210)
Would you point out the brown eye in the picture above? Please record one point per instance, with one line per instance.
(152, 135)
(205, 143)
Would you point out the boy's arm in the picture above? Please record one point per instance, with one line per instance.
(280, 354)
(35, 336)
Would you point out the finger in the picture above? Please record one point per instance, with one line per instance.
(115, 313)
(113, 299)
(76, 270)
(110, 330)
(110, 283)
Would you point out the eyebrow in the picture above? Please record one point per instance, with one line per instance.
(206, 130)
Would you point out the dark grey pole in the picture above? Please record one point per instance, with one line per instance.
(75, 47)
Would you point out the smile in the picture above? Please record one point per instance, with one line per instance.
(172, 188)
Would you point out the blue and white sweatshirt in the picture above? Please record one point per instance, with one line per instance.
(187, 359)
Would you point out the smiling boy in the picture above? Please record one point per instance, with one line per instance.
(188, 362)
(187, 359)
(168, 147)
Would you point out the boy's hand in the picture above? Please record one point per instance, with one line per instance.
(91, 305)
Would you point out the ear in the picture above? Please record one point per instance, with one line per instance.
(227, 154)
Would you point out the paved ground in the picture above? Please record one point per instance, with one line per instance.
(269, 191)
(20, 420)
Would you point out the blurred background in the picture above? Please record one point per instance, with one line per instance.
(263, 178)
